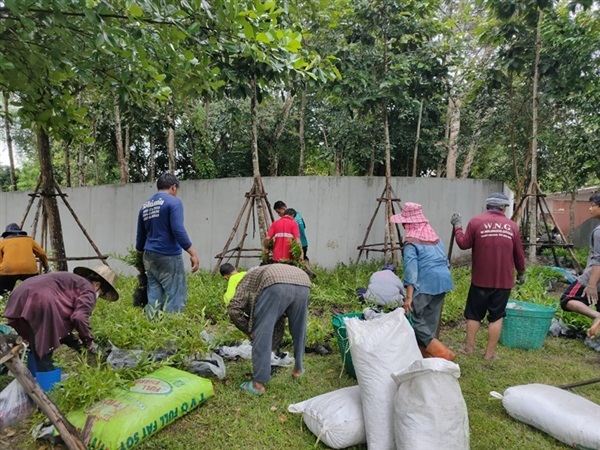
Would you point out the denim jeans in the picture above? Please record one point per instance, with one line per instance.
(167, 286)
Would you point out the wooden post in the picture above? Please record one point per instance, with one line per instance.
(67, 431)
(389, 241)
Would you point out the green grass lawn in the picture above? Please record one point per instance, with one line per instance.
(233, 419)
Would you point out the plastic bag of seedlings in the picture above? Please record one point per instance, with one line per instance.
(211, 366)
(15, 405)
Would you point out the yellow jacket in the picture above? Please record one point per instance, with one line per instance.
(17, 256)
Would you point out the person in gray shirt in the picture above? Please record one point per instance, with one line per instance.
(582, 295)
(385, 288)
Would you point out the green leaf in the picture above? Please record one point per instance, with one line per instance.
(263, 37)
(248, 30)
(135, 10)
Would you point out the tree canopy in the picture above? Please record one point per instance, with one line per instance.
(124, 90)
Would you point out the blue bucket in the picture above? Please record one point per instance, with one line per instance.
(47, 380)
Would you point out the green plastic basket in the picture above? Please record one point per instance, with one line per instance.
(526, 325)
(339, 327)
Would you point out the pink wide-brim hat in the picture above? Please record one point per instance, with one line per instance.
(411, 213)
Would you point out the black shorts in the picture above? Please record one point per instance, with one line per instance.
(490, 301)
(305, 250)
(575, 292)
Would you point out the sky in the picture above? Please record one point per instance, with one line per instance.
(4, 160)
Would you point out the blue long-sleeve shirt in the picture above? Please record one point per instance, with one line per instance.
(426, 268)
(160, 226)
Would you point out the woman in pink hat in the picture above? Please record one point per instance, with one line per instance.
(427, 279)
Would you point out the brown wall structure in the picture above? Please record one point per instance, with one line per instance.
(560, 204)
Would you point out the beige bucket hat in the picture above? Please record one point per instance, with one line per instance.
(107, 278)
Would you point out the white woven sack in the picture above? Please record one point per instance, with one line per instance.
(430, 412)
(561, 414)
(379, 348)
(336, 418)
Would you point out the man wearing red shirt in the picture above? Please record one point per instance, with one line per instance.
(281, 233)
(496, 252)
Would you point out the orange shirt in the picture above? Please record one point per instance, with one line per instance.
(17, 256)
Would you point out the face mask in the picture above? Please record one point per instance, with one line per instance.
(97, 294)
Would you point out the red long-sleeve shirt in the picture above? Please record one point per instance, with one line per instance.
(496, 249)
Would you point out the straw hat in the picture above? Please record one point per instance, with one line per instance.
(107, 278)
(411, 213)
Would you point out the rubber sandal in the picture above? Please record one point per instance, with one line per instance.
(248, 386)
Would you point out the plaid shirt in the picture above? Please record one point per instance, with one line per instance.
(241, 308)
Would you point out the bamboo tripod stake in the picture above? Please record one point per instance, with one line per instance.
(9, 357)
(255, 198)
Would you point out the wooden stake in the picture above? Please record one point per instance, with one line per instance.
(67, 431)
(390, 244)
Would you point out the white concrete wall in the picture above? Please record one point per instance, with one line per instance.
(337, 211)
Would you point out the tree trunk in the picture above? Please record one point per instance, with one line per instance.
(513, 148)
(81, 165)
(302, 165)
(68, 163)
(466, 169)
(389, 227)
(454, 106)
(152, 162)
(322, 127)
(471, 154)
(95, 150)
(81, 151)
(126, 149)
(572, 215)
(416, 152)
(262, 223)
(372, 160)
(9, 144)
(206, 115)
(534, 146)
(171, 144)
(274, 164)
(119, 141)
(49, 202)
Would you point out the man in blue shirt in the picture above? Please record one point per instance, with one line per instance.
(161, 236)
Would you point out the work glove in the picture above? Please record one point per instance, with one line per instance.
(92, 348)
(73, 342)
(456, 220)
(520, 279)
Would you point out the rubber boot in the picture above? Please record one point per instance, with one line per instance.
(439, 350)
(424, 352)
